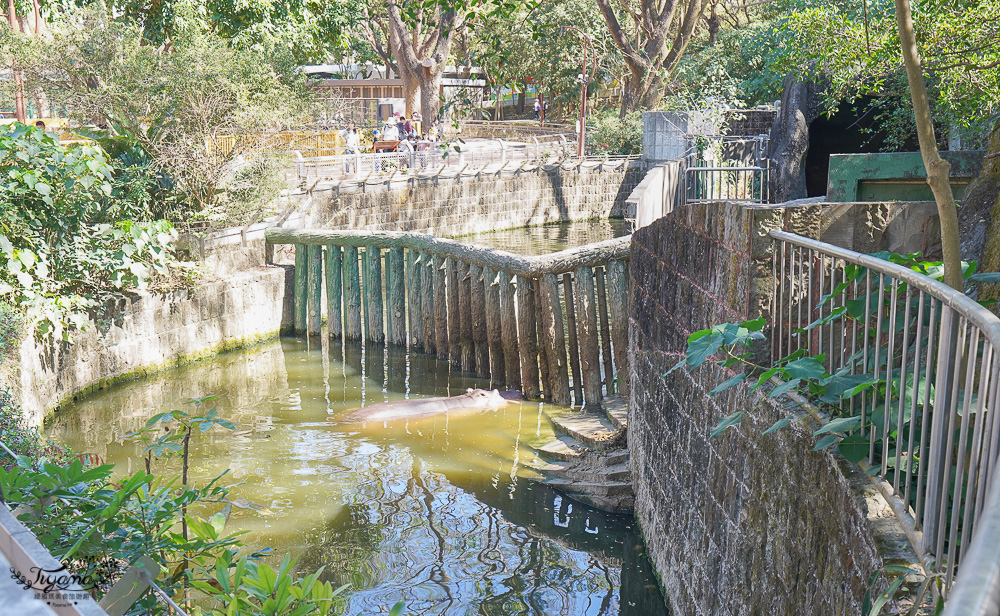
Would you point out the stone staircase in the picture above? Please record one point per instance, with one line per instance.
(588, 459)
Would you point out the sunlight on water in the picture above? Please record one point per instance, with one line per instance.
(440, 512)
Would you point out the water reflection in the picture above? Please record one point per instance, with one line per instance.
(439, 512)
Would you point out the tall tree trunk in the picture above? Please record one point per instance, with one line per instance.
(937, 168)
(430, 92)
(42, 102)
(521, 96)
(411, 90)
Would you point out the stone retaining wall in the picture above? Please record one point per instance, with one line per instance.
(743, 523)
(449, 206)
(153, 332)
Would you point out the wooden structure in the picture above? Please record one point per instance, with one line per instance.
(554, 326)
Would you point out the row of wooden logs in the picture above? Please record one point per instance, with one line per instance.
(512, 329)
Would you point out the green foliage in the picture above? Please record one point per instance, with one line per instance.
(61, 251)
(732, 346)
(193, 110)
(614, 135)
(88, 518)
(19, 437)
(11, 333)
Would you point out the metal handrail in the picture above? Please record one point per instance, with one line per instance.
(959, 433)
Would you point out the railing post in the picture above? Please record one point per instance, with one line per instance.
(572, 342)
(426, 277)
(590, 355)
(454, 318)
(334, 290)
(441, 307)
(555, 338)
(395, 296)
(508, 332)
(618, 300)
(352, 294)
(414, 301)
(468, 357)
(602, 314)
(371, 271)
(494, 318)
(480, 327)
(299, 288)
(314, 289)
(527, 338)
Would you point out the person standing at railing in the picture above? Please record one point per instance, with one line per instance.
(352, 139)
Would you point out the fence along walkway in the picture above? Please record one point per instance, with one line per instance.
(935, 434)
(527, 323)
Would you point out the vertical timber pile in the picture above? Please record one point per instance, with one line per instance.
(494, 320)
(500, 316)
(574, 348)
(454, 321)
(527, 338)
(334, 290)
(414, 303)
(543, 356)
(590, 354)
(371, 270)
(618, 294)
(352, 294)
(299, 288)
(468, 361)
(441, 314)
(508, 331)
(395, 296)
(554, 340)
(425, 265)
(314, 289)
(602, 312)
(481, 322)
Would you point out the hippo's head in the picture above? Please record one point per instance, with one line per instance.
(490, 399)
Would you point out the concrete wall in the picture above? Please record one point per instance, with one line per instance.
(451, 206)
(895, 175)
(742, 523)
(153, 332)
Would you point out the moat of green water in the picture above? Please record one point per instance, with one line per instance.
(444, 513)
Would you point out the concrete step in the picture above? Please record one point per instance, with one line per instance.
(560, 448)
(614, 457)
(605, 489)
(616, 410)
(590, 428)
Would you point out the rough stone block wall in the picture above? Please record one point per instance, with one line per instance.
(450, 206)
(152, 332)
(742, 523)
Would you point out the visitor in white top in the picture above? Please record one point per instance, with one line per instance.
(390, 132)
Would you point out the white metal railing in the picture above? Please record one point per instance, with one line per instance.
(727, 184)
(422, 157)
(931, 419)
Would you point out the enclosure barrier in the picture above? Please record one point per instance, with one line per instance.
(922, 362)
(552, 326)
(423, 157)
(727, 184)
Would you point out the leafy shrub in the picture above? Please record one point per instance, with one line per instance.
(61, 250)
(616, 136)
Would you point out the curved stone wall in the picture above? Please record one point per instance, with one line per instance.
(743, 523)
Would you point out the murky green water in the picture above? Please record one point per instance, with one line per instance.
(441, 512)
(444, 513)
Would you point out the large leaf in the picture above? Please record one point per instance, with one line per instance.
(805, 368)
(854, 448)
(701, 348)
(728, 383)
(841, 425)
(784, 388)
(725, 423)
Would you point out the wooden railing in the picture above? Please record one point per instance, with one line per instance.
(553, 326)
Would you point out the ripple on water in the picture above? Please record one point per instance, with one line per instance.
(437, 512)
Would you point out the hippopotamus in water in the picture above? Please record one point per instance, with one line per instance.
(471, 401)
